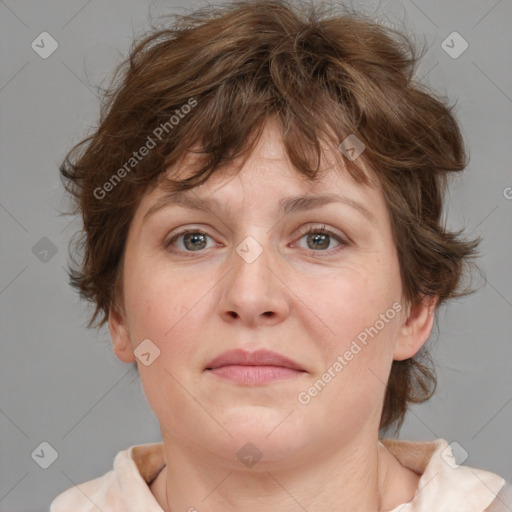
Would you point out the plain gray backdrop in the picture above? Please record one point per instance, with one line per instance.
(61, 383)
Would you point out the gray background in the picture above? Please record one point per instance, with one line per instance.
(61, 383)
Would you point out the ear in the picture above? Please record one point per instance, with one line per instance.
(120, 336)
(416, 329)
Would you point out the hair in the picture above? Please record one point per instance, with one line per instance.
(212, 78)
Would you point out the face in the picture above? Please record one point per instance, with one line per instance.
(249, 276)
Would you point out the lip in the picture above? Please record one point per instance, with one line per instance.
(258, 358)
(257, 367)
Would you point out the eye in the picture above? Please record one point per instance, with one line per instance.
(319, 238)
(194, 240)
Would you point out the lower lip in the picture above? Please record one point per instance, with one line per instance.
(244, 374)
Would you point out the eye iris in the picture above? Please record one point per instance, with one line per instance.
(319, 237)
(194, 237)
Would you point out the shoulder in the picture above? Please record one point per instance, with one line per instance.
(445, 483)
(503, 501)
(124, 488)
(102, 493)
(91, 496)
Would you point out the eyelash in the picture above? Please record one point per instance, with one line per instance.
(312, 229)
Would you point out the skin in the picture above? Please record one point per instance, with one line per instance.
(294, 299)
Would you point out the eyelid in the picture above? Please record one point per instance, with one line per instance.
(184, 230)
(313, 228)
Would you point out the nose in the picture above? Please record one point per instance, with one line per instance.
(254, 291)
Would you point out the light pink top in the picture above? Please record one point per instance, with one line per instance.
(443, 486)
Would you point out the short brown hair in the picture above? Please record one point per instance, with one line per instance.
(323, 76)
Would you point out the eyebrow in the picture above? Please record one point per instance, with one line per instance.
(287, 205)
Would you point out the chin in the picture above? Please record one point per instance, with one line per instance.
(274, 429)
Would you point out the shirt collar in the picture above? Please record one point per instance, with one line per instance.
(442, 485)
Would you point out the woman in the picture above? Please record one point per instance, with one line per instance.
(262, 232)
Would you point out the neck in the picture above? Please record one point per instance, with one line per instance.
(366, 478)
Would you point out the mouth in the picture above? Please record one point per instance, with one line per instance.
(260, 367)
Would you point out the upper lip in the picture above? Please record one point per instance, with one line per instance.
(258, 358)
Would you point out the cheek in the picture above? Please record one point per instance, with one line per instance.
(357, 354)
(350, 299)
(360, 308)
(162, 309)
(171, 310)
(155, 297)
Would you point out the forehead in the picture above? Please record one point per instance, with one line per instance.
(266, 178)
(270, 150)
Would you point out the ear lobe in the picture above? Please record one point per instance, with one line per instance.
(120, 337)
(416, 329)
